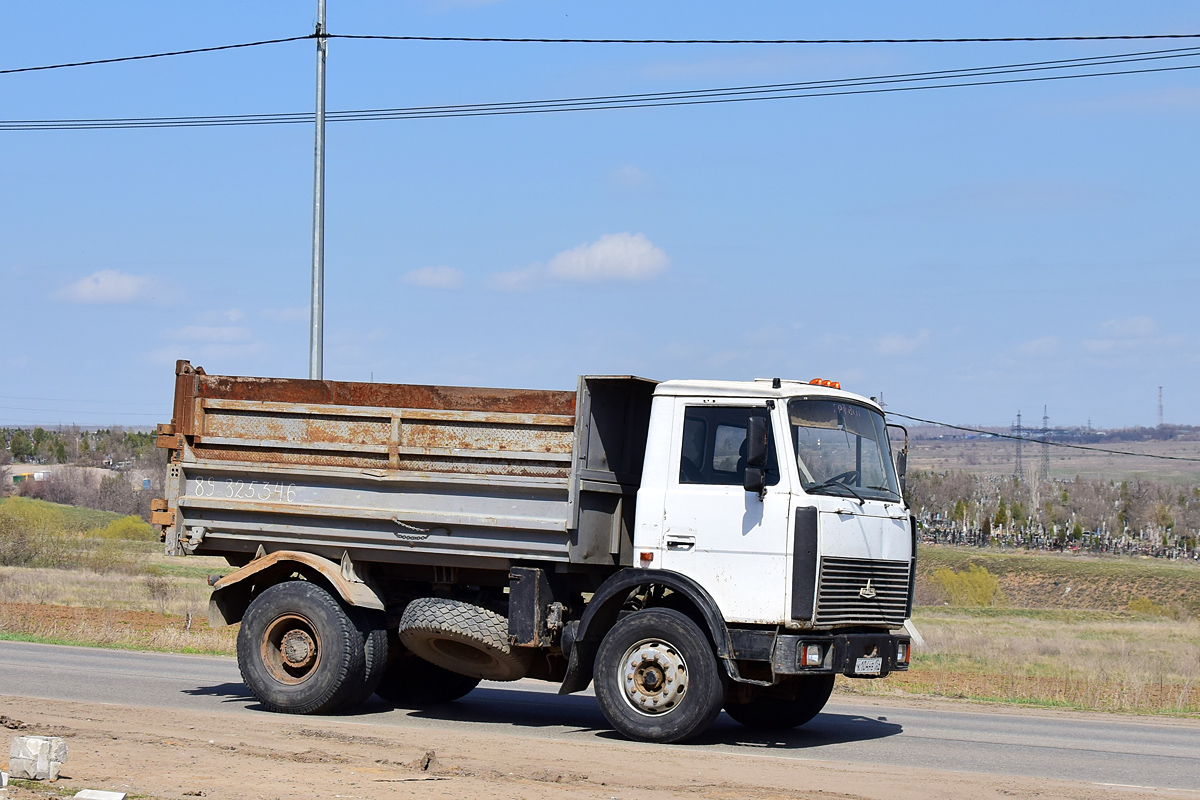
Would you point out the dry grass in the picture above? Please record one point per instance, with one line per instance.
(77, 576)
(1092, 660)
(1054, 581)
(114, 628)
(161, 593)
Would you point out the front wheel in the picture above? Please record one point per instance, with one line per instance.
(299, 650)
(782, 707)
(657, 677)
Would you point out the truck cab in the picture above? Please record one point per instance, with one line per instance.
(816, 536)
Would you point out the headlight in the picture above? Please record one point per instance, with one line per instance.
(811, 655)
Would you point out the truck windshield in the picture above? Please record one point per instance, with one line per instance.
(842, 449)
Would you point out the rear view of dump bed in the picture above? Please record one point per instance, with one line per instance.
(452, 476)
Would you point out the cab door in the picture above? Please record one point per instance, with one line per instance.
(730, 541)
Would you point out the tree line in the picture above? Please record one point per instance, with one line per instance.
(1103, 516)
(74, 445)
(131, 456)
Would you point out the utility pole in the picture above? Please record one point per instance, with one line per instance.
(1019, 472)
(1045, 444)
(316, 333)
(1160, 413)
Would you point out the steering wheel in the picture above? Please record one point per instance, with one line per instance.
(845, 478)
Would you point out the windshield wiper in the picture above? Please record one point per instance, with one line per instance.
(831, 483)
(887, 489)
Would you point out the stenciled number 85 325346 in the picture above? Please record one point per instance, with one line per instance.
(242, 490)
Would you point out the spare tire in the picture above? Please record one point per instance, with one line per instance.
(462, 638)
(412, 682)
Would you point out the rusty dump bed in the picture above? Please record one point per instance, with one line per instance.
(439, 475)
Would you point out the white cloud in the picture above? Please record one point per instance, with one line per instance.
(1045, 346)
(518, 278)
(105, 286)
(1123, 336)
(629, 176)
(899, 345)
(442, 277)
(612, 257)
(1132, 328)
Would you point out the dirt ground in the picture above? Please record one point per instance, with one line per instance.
(175, 754)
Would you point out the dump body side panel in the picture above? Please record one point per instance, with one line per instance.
(436, 475)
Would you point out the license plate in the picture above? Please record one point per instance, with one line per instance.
(868, 666)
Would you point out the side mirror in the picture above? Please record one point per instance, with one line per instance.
(755, 480)
(902, 458)
(756, 442)
(755, 477)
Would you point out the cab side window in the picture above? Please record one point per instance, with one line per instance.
(714, 446)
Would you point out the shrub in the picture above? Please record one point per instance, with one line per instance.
(1149, 608)
(161, 590)
(974, 587)
(38, 534)
(29, 535)
(131, 528)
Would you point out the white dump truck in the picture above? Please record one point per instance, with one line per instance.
(686, 546)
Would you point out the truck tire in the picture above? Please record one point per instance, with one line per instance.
(462, 638)
(657, 677)
(299, 651)
(412, 682)
(371, 624)
(785, 706)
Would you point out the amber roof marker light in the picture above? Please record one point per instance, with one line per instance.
(825, 383)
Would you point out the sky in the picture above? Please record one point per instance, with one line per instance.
(967, 252)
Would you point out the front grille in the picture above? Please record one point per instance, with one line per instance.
(839, 594)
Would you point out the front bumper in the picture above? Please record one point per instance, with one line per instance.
(840, 653)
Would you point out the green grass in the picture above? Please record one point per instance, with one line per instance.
(930, 557)
(175, 567)
(1154, 587)
(73, 518)
(994, 613)
(35, 533)
(139, 647)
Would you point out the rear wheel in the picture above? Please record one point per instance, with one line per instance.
(657, 677)
(371, 624)
(781, 707)
(412, 682)
(299, 651)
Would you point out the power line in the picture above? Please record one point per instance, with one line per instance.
(547, 40)
(944, 40)
(156, 55)
(67, 411)
(953, 78)
(1045, 441)
(63, 400)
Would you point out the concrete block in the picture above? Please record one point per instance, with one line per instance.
(36, 758)
(99, 794)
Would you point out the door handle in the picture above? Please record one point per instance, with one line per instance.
(678, 543)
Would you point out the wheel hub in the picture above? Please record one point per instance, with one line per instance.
(654, 677)
(291, 649)
(297, 648)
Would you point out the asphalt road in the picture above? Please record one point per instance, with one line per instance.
(1097, 749)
